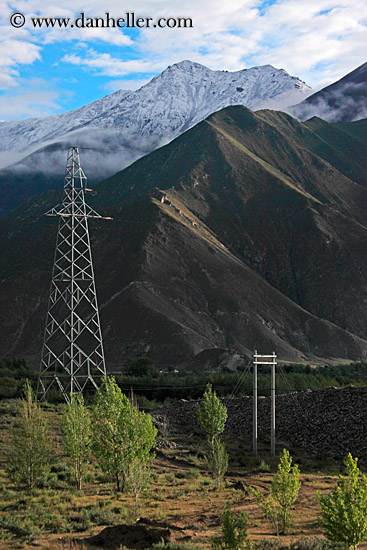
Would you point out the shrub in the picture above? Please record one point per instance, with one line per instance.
(183, 475)
(313, 543)
(21, 527)
(170, 477)
(54, 522)
(174, 546)
(63, 471)
(101, 517)
(234, 531)
(263, 467)
(80, 521)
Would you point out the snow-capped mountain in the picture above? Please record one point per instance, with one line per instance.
(169, 104)
(186, 93)
(127, 125)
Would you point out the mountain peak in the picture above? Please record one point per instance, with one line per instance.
(187, 64)
(129, 124)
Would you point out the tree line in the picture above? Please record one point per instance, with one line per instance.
(152, 386)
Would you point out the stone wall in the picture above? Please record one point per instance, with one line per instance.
(326, 422)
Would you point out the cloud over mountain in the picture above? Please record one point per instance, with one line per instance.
(344, 100)
(126, 125)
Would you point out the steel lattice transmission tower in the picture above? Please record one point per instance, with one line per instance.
(72, 355)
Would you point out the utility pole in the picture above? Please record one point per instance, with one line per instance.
(264, 360)
(273, 364)
(72, 355)
(254, 407)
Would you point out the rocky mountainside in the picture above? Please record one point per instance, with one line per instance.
(246, 232)
(342, 101)
(126, 125)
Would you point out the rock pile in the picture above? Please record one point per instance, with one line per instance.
(329, 422)
(143, 534)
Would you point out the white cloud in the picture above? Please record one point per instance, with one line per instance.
(109, 36)
(12, 54)
(306, 37)
(316, 40)
(107, 65)
(319, 47)
(33, 98)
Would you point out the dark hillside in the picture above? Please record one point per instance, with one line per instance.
(236, 235)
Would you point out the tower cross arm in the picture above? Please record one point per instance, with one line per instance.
(62, 210)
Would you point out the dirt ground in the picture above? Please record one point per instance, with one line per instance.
(182, 502)
(193, 513)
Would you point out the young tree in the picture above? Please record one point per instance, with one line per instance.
(28, 460)
(76, 424)
(283, 494)
(138, 479)
(344, 510)
(234, 531)
(212, 415)
(121, 433)
(111, 429)
(142, 441)
(217, 461)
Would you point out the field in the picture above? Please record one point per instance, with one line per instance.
(181, 501)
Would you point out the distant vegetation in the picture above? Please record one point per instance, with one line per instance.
(13, 373)
(153, 386)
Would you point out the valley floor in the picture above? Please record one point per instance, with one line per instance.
(181, 497)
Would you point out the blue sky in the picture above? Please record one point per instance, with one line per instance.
(48, 71)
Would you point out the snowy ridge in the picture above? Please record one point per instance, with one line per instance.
(21, 134)
(186, 93)
(138, 122)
